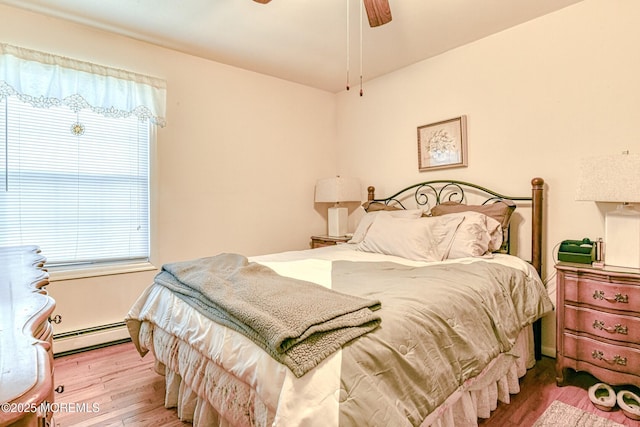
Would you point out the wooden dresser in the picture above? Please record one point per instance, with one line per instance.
(598, 323)
(26, 356)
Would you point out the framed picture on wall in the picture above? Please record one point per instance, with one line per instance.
(443, 144)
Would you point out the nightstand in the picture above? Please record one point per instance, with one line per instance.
(320, 241)
(598, 323)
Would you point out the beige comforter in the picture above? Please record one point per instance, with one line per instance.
(441, 325)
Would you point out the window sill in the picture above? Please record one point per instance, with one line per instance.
(58, 274)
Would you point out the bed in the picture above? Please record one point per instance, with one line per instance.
(424, 318)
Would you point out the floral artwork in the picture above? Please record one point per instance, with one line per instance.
(442, 144)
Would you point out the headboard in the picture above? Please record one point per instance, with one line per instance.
(431, 193)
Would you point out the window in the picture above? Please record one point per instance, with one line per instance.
(74, 157)
(74, 184)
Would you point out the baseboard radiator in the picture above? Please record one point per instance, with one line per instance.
(90, 338)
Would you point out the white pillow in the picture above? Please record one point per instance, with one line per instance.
(477, 235)
(421, 239)
(369, 217)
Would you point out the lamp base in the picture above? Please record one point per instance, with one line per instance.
(622, 237)
(338, 218)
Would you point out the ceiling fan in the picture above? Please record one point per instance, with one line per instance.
(378, 11)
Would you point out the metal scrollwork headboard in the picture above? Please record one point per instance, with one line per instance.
(430, 193)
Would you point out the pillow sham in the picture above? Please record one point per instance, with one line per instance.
(477, 235)
(501, 211)
(378, 206)
(369, 217)
(418, 239)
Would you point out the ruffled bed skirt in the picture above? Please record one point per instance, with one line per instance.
(206, 395)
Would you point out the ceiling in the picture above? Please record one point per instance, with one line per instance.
(303, 41)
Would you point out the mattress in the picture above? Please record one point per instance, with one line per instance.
(216, 376)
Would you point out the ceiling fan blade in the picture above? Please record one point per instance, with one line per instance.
(378, 12)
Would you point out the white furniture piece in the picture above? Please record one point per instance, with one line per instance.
(26, 335)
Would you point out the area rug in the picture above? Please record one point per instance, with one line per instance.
(561, 414)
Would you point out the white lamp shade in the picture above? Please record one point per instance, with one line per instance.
(613, 178)
(337, 189)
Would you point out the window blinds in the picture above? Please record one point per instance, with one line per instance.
(74, 184)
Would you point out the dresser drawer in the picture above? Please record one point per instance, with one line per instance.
(601, 354)
(601, 294)
(599, 323)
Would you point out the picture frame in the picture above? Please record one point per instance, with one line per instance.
(443, 144)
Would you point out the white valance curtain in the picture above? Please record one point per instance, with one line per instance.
(45, 80)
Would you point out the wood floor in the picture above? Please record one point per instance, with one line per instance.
(538, 389)
(124, 386)
(125, 390)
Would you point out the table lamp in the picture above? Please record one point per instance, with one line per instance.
(615, 179)
(336, 190)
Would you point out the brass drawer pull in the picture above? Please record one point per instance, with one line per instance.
(624, 299)
(616, 329)
(617, 360)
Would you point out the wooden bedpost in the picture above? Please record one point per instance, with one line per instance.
(371, 190)
(537, 185)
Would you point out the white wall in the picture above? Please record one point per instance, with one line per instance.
(234, 169)
(537, 97)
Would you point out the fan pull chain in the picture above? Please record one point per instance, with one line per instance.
(348, 43)
(361, 11)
